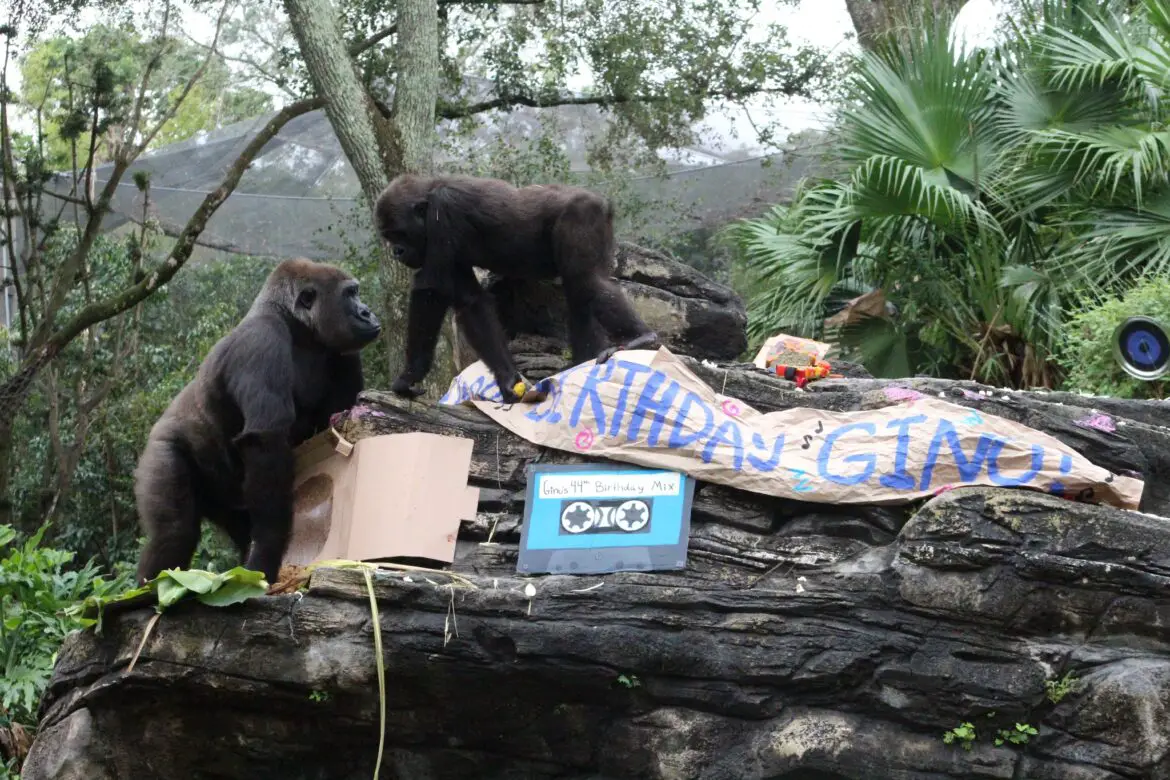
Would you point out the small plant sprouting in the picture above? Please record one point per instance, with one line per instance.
(631, 681)
(1058, 689)
(319, 696)
(964, 733)
(1017, 736)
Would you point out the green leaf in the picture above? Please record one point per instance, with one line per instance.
(169, 592)
(240, 574)
(233, 592)
(194, 580)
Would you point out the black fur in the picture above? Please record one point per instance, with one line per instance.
(223, 449)
(443, 227)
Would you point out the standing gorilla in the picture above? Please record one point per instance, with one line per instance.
(223, 449)
(445, 226)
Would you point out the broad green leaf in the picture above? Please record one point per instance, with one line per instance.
(240, 574)
(194, 580)
(169, 592)
(233, 592)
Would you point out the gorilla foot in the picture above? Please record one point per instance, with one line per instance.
(404, 388)
(645, 340)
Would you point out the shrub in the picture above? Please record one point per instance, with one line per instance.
(36, 586)
(1087, 354)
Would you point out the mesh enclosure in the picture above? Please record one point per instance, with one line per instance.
(299, 196)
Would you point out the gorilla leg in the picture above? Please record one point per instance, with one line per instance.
(237, 525)
(478, 322)
(269, 466)
(424, 321)
(164, 490)
(583, 247)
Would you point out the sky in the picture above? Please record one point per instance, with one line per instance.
(823, 23)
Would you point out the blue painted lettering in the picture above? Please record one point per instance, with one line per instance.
(901, 479)
(773, 460)
(589, 393)
(682, 420)
(993, 472)
(648, 405)
(968, 468)
(727, 433)
(619, 412)
(869, 459)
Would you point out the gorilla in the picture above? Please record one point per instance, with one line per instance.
(223, 449)
(445, 226)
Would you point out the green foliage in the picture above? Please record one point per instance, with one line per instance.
(1019, 735)
(1056, 690)
(81, 87)
(37, 586)
(174, 585)
(629, 681)
(1087, 352)
(964, 734)
(986, 190)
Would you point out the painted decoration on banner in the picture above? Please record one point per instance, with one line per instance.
(647, 408)
(591, 519)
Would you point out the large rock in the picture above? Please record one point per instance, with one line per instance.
(801, 641)
(691, 314)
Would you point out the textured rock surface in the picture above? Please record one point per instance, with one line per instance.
(802, 641)
(691, 314)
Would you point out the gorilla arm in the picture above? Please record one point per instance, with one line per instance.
(259, 378)
(455, 222)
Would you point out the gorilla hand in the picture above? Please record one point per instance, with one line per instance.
(404, 387)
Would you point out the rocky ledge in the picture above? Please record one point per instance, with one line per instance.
(801, 641)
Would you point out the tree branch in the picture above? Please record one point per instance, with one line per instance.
(13, 389)
(174, 107)
(165, 229)
(448, 110)
(358, 47)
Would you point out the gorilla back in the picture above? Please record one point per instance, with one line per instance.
(223, 449)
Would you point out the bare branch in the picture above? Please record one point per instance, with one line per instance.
(449, 110)
(136, 114)
(165, 229)
(191, 82)
(181, 251)
(272, 78)
(358, 47)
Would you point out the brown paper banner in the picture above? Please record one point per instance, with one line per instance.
(647, 408)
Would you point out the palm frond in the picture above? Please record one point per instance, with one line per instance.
(1118, 244)
(1111, 158)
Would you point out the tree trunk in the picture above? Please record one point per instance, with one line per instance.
(378, 148)
(417, 87)
(874, 19)
(347, 105)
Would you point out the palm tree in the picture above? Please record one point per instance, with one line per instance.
(988, 192)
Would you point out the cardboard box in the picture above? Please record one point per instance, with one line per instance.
(399, 495)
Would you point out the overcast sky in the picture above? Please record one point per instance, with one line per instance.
(823, 23)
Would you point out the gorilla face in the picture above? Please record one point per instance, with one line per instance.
(332, 310)
(401, 217)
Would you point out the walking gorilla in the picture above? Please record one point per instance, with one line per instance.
(444, 227)
(223, 449)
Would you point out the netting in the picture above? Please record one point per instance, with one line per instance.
(298, 198)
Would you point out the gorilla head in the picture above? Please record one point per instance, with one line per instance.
(323, 302)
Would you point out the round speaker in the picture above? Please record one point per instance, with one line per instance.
(1141, 346)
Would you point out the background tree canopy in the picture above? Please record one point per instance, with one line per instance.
(989, 194)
